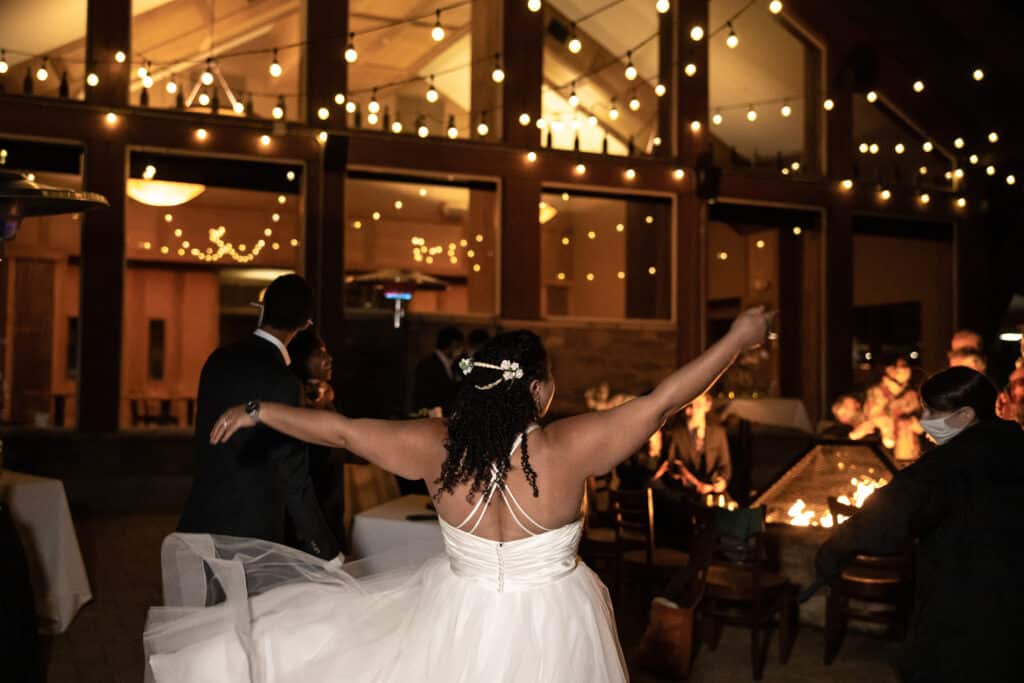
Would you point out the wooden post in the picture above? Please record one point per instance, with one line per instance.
(691, 93)
(326, 69)
(108, 31)
(523, 54)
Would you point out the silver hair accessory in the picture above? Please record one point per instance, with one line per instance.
(509, 369)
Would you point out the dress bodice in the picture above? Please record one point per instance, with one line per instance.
(508, 566)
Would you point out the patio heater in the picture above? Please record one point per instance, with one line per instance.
(23, 198)
(399, 286)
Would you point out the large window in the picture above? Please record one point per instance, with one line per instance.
(605, 256)
(601, 90)
(39, 281)
(438, 236)
(426, 72)
(762, 74)
(231, 57)
(46, 62)
(204, 237)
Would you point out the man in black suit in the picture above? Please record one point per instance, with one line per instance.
(436, 379)
(257, 485)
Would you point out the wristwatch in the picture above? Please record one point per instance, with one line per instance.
(252, 409)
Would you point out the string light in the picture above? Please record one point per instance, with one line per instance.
(351, 106)
(201, 134)
(873, 148)
(978, 75)
(872, 96)
(829, 104)
(974, 159)
(351, 55)
(631, 72)
(453, 131)
(662, 6)
(697, 33)
(120, 56)
(498, 74)
(171, 87)
(630, 174)
(533, 5)
(275, 66)
(372, 119)
(958, 143)
(993, 137)
(775, 6)
(4, 66)
(580, 168)
(265, 140)
(323, 113)
(110, 118)
(927, 146)
(863, 148)
(690, 70)
(374, 106)
(437, 33)
(524, 119)
(961, 202)
(204, 99)
(207, 77)
(613, 112)
(751, 114)
(1011, 179)
(885, 195)
(899, 148)
(786, 110)
(339, 98)
(695, 126)
(846, 184)
(575, 45)
(678, 174)
(432, 95)
(660, 89)
(990, 170)
(634, 103)
(716, 118)
(531, 157)
(732, 41)
(92, 80)
(922, 170)
(958, 174)
(278, 111)
(924, 198)
(396, 127)
(421, 129)
(321, 137)
(42, 73)
(919, 86)
(482, 128)
(149, 172)
(574, 100)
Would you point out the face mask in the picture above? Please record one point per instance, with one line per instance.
(939, 430)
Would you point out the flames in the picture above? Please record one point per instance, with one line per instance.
(800, 514)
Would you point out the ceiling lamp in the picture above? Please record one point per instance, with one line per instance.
(163, 192)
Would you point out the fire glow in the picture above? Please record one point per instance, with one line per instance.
(800, 514)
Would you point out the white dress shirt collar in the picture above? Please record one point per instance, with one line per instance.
(263, 334)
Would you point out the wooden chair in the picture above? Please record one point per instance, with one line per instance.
(742, 590)
(872, 588)
(634, 535)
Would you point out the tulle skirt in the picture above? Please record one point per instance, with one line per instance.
(284, 617)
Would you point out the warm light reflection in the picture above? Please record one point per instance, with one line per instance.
(162, 192)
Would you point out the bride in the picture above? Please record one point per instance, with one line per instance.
(509, 600)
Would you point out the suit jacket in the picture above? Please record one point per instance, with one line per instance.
(432, 386)
(257, 485)
(716, 462)
(961, 502)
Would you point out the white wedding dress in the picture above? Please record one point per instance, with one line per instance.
(522, 611)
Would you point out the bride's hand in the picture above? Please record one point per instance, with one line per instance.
(752, 326)
(230, 422)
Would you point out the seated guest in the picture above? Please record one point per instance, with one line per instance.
(959, 508)
(314, 367)
(698, 456)
(436, 380)
(968, 358)
(893, 407)
(848, 411)
(1010, 403)
(475, 340)
(966, 339)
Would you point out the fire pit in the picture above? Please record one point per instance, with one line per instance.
(797, 506)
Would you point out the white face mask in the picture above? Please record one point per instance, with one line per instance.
(940, 430)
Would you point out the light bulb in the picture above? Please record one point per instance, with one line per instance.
(204, 99)
(92, 80)
(351, 106)
(922, 170)
(961, 202)
(634, 103)
(531, 157)
(111, 118)
(927, 146)
(978, 75)
(149, 172)
(660, 90)
(265, 140)
(630, 174)
(899, 148)
(453, 132)
(924, 198)
(751, 115)
(524, 119)
(918, 86)
(238, 107)
(863, 148)
(275, 67)
(374, 106)
(678, 174)
(437, 33)
(574, 45)
(613, 112)
(482, 129)
(829, 104)
(697, 34)
(4, 66)
(958, 174)
(498, 74)
(631, 72)
(339, 98)
(207, 77)
(990, 170)
(580, 169)
(574, 100)
(786, 111)
(885, 195)
(873, 148)
(422, 131)
(279, 109)
(351, 56)
(662, 6)
(872, 96)
(171, 87)
(846, 184)
(432, 94)
(201, 134)
(42, 73)
(732, 41)
(690, 70)
(533, 5)
(147, 81)
(993, 137)
(1011, 179)
(775, 6)
(120, 56)
(958, 143)
(372, 119)
(716, 118)
(695, 126)
(323, 113)
(974, 159)
(396, 126)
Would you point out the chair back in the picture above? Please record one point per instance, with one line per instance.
(598, 511)
(634, 517)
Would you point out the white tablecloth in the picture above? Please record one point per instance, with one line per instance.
(778, 412)
(384, 531)
(43, 520)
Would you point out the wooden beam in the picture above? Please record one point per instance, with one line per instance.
(326, 70)
(108, 29)
(523, 53)
(691, 102)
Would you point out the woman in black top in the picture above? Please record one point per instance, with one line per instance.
(961, 503)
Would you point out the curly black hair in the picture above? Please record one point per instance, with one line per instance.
(484, 424)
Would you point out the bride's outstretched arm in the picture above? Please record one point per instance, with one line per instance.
(403, 447)
(596, 442)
